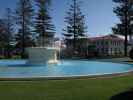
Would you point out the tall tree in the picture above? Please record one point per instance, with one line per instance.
(24, 18)
(44, 26)
(8, 20)
(124, 12)
(3, 37)
(75, 21)
(28, 40)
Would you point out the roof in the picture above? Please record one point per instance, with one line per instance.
(107, 37)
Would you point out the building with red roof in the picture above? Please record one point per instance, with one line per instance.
(111, 45)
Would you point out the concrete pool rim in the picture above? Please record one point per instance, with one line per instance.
(104, 76)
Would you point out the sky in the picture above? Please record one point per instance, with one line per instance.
(99, 16)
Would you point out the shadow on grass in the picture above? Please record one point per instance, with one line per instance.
(127, 95)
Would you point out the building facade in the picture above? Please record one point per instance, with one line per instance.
(109, 45)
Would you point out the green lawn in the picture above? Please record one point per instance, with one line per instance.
(82, 89)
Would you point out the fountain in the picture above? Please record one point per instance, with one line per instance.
(42, 55)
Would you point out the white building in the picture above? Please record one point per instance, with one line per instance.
(109, 45)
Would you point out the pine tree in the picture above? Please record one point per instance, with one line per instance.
(44, 27)
(123, 11)
(3, 37)
(8, 20)
(24, 19)
(75, 21)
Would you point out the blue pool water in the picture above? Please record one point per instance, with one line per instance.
(65, 68)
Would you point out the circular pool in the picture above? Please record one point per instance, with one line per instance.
(65, 68)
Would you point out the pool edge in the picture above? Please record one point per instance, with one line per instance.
(70, 77)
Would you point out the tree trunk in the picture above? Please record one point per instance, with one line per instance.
(126, 27)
